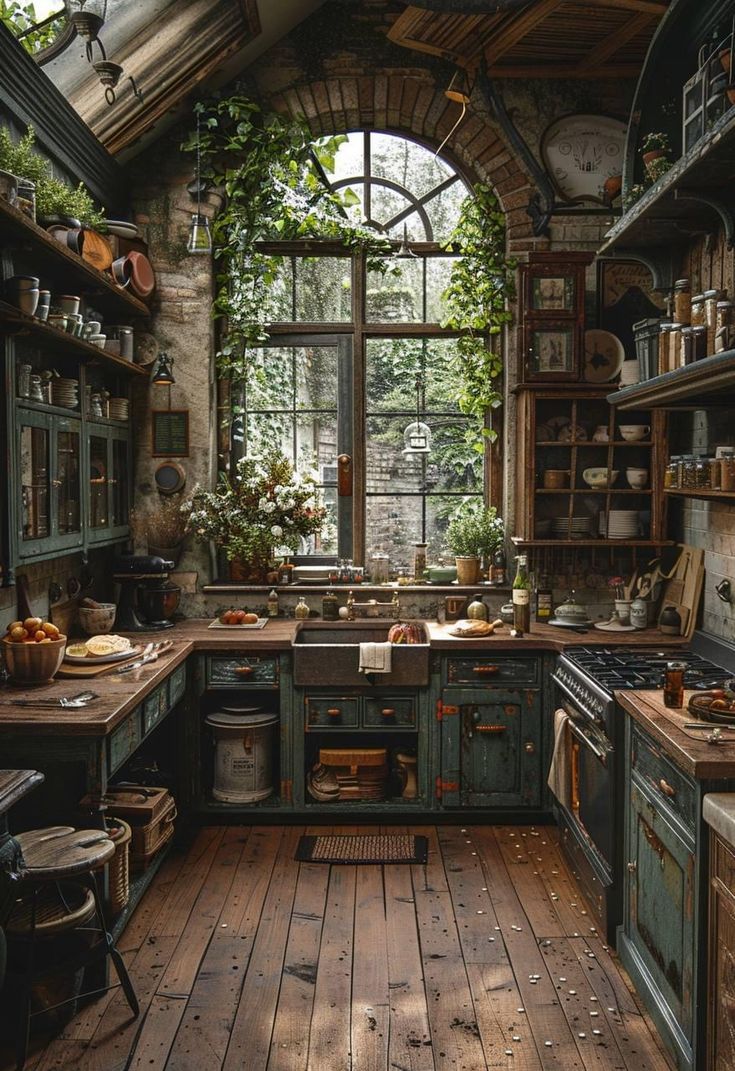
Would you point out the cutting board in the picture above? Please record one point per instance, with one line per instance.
(96, 669)
(64, 615)
(683, 588)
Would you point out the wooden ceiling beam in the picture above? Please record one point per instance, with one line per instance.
(515, 29)
(650, 7)
(623, 70)
(614, 42)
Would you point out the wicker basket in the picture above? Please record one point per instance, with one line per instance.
(148, 839)
(119, 866)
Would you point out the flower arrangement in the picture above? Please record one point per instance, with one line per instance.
(617, 586)
(265, 506)
(656, 141)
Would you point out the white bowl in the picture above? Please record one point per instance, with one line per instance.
(97, 619)
(600, 477)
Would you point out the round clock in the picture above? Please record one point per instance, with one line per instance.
(581, 152)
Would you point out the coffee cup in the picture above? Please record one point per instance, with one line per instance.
(92, 327)
(634, 432)
(637, 478)
(600, 434)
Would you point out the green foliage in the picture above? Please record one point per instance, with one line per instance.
(656, 140)
(268, 166)
(265, 506)
(481, 286)
(657, 168)
(53, 197)
(19, 17)
(474, 529)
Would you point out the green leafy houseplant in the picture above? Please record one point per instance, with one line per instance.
(656, 141)
(480, 289)
(53, 197)
(19, 18)
(475, 530)
(266, 505)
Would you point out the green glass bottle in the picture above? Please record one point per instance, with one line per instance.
(522, 595)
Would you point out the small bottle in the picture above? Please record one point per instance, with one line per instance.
(674, 685)
(419, 560)
(498, 570)
(301, 610)
(544, 599)
(272, 603)
(522, 596)
(330, 606)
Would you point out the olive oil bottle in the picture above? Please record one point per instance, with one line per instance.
(544, 599)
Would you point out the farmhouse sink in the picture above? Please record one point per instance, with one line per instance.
(327, 653)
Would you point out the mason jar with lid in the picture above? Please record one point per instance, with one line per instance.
(682, 301)
(663, 348)
(697, 311)
(687, 469)
(671, 473)
(711, 297)
(723, 322)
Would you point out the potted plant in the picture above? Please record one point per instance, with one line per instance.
(53, 197)
(656, 146)
(474, 531)
(264, 508)
(633, 194)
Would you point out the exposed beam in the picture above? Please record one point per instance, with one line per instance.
(513, 31)
(625, 70)
(651, 7)
(471, 7)
(614, 42)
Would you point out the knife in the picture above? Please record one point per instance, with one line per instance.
(151, 657)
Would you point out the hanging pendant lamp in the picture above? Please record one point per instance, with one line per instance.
(458, 91)
(200, 236)
(417, 436)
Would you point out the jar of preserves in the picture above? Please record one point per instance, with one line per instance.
(699, 342)
(682, 301)
(727, 472)
(711, 298)
(687, 345)
(696, 316)
(724, 314)
(671, 473)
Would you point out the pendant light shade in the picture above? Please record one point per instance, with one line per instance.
(200, 236)
(458, 91)
(417, 436)
(404, 251)
(163, 375)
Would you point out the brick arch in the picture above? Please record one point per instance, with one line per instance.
(403, 103)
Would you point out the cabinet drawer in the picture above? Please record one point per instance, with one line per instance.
(124, 740)
(177, 685)
(243, 671)
(331, 711)
(390, 712)
(486, 669)
(668, 784)
(155, 707)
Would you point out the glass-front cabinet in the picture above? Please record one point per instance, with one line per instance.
(48, 478)
(108, 483)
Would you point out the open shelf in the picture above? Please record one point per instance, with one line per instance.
(20, 323)
(708, 382)
(677, 492)
(585, 443)
(518, 542)
(66, 264)
(592, 491)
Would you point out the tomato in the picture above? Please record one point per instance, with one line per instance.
(238, 616)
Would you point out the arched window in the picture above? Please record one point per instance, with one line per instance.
(356, 357)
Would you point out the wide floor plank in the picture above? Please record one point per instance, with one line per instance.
(483, 959)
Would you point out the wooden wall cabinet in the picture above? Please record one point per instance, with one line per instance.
(551, 299)
(565, 432)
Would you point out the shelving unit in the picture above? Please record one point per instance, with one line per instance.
(709, 382)
(726, 496)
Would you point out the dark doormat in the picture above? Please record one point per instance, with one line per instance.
(371, 848)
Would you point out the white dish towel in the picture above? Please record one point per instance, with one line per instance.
(560, 769)
(375, 657)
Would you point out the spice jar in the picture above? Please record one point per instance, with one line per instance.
(663, 348)
(682, 301)
(671, 474)
(687, 345)
(675, 360)
(711, 298)
(699, 343)
(696, 316)
(723, 323)
(727, 472)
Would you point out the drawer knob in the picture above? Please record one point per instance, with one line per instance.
(244, 671)
(666, 788)
(485, 670)
(529, 747)
(632, 867)
(388, 712)
(334, 712)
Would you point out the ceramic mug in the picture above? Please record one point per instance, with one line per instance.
(601, 434)
(92, 327)
(69, 303)
(556, 478)
(637, 478)
(634, 432)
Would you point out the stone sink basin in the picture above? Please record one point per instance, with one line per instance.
(327, 653)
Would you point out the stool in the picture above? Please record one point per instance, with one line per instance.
(51, 856)
(407, 766)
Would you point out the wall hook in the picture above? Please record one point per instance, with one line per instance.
(724, 590)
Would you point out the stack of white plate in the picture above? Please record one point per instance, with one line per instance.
(119, 408)
(620, 524)
(629, 373)
(65, 392)
(576, 528)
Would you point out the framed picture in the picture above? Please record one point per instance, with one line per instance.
(552, 293)
(625, 295)
(552, 350)
(170, 433)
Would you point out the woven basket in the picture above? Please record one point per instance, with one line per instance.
(119, 866)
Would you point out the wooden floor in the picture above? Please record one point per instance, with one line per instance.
(248, 961)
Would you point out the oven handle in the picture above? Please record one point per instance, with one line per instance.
(598, 752)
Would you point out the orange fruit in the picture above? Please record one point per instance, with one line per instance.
(14, 624)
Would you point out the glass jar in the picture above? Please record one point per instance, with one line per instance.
(663, 348)
(699, 342)
(714, 473)
(688, 479)
(696, 317)
(35, 391)
(674, 347)
(24, 381)
(723, 323)
(711, 298)
(687, 345)
(682, 301)
(701, 474)
(671, 473)
(301, 610)
(330, 606)
(727, 473)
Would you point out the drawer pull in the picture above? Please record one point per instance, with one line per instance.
(334, 712)
(485, 670)
(632, 867)
(529, 747)
(244, 671)
(490, 728)
(666, 788)
(388, 712)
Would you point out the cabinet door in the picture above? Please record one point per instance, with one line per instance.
(490, 748)
(661, 904)
(49, 479)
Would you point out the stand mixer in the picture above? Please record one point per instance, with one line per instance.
(147, 598)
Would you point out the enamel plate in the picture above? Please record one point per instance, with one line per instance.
(604, 354)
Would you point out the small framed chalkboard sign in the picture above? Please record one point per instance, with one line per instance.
(170, 432)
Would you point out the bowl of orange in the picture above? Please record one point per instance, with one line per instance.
(33, 650)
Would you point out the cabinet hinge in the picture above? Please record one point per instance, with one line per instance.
(443, 710)
(445, 786)
(286, 791)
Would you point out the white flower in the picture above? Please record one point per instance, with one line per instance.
(276, 531)
(269, 507)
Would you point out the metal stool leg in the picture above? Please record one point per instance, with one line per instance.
(26, 987)
(118, 961)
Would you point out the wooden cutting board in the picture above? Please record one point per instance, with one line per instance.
(64, 615)
(96, 250)
(96, 669)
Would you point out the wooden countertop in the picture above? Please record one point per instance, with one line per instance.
(120, 695)
(15, 784)
(686, 747)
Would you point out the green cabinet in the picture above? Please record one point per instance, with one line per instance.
(490, 742)
(48, 474)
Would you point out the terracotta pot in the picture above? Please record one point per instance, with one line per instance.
(468, 570)
(653, 154)
(612, 187)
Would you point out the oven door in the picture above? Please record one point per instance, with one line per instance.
(592, 787)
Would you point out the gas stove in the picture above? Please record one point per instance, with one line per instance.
(619, 668)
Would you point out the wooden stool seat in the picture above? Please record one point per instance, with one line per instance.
(62, 851)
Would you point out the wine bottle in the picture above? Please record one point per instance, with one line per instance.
(522, 596)
(544, 599)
